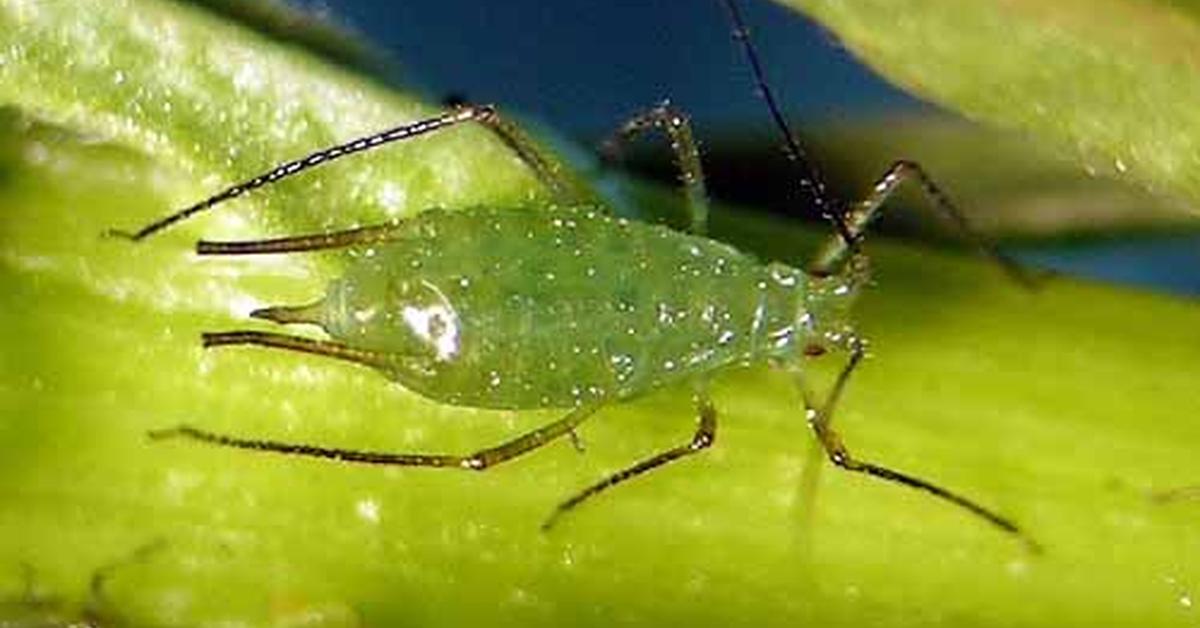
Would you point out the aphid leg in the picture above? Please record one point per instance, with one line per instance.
(706, 434)
(819, 418)
(477, 461)
(294, 244)
(546, 169)
(837, 249)
(675, 124)
(324, 348)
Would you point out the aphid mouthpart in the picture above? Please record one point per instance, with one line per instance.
(571, 308)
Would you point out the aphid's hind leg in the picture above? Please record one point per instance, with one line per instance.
(834, 254)
(477, 461)
(678, 129)
(819, 418)
(296, 244)
(546, 169)
(326, 348)
(706, 434)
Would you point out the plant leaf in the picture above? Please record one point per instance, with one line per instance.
(1112, 84)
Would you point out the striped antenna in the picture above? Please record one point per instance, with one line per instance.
(812, 187)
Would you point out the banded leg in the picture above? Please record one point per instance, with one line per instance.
(546, 169)
(326, 348)
(836, 251)
(477, 461)
(706, 434)
(819, 417)
(675, 125)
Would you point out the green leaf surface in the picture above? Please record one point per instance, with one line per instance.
(1111, 83)
(1062, 408)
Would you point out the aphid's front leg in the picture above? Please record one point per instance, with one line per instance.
(675, 124)
(706, 434)
(477, 461)
(819, 418)
(839, 247)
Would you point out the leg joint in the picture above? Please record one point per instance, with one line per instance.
(703, 440)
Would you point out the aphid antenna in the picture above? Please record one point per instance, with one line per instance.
(851, 221)
(546, 169)
(812, 186)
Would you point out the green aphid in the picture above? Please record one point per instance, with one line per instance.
(570, 307)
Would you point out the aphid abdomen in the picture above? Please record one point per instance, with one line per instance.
(556, 308)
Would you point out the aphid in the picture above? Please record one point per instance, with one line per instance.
(34, 609)
(570, 307)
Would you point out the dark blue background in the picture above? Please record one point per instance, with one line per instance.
(584, 66)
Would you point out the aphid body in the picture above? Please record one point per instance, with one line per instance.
(568, 306)
(496, 308)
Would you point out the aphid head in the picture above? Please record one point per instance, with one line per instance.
(824, 322)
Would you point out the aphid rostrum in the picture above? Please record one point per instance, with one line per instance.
(570, 307)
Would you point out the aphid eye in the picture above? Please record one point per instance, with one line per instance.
(813, 350)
